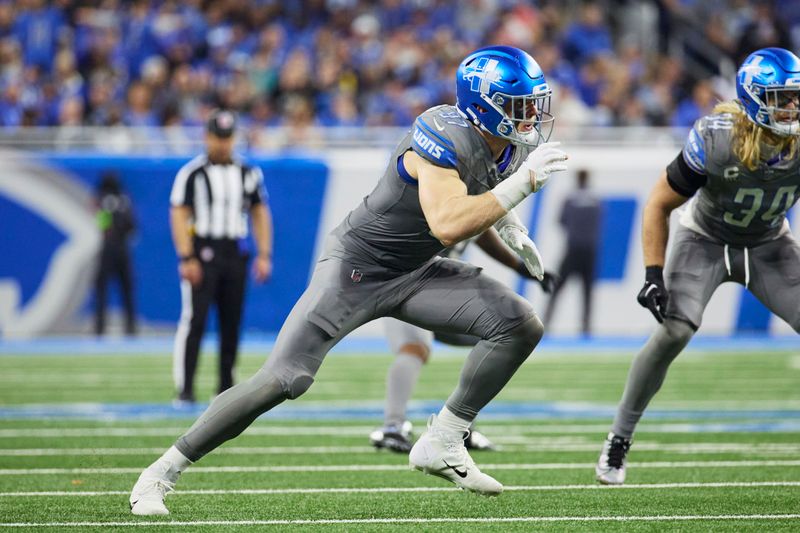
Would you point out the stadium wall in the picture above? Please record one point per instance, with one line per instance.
(49, 242)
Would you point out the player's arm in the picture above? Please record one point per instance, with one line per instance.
(489, 241)
(677, 183)
(451, 213)
(662, 201)
(681, 179)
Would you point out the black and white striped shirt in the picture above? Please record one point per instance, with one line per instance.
(220, 196)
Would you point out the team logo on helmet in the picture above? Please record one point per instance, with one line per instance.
(483, 74)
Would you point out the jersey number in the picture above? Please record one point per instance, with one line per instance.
(784, 199)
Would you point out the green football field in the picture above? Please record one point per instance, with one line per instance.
(718, 451)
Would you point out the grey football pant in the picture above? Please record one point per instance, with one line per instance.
(695, 268)
(442, 295)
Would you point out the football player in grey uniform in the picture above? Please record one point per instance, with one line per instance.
(411, 346)
(741, 169)
(460, 170)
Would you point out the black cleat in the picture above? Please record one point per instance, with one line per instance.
(610, 469)
(393, 438)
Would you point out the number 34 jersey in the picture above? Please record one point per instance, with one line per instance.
(734, 205)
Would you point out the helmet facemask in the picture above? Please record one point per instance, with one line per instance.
(526, 118)
(782, 119)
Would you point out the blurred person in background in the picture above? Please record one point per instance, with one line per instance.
(698, 105)
(117, 223)
(211, 198)
(581, 216)
(766, 27)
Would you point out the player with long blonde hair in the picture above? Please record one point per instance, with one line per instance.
(741, 169)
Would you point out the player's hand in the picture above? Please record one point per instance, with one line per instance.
(543, 161)
(548, 282)
(191, 270)
(654, 295)
(518, 240)
(262, 269)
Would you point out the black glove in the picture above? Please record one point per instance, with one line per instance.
(654, 295)
(548, 283)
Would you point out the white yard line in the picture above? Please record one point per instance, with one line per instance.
(178, 430)
(282, 430)
(385, 467)
(499, 519)
(230, 450)
(517, 446)
(357, 490)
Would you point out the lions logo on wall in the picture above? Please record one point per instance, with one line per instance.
(49, 243)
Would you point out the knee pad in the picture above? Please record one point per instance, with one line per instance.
(298, 385)
(524, 337)
(530, 332)
(677, 332)
(283, 383)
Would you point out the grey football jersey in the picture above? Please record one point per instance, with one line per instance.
(388, 230)
(737, 206)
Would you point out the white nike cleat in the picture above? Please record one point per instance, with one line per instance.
(440, 454)
(610, 469)
(147, 496)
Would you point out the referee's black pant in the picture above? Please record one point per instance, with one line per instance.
(578, 262)
(224, 281)
(115, 262)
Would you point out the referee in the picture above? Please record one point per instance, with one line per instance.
(210, 200)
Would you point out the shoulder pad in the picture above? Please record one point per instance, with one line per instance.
(434, 137)
(694, 151)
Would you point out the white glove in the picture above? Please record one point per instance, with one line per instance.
(517, 239)
(531, 176)
(545, 160)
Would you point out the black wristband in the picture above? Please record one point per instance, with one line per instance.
(654, 273)
(184, 258)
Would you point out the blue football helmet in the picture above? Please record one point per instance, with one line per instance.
(767, 83)
(502, 90)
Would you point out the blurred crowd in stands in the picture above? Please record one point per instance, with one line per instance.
(310, 63)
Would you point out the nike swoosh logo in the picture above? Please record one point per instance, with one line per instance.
(457, 471)
(438, 126)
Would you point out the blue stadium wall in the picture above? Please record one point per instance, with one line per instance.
(296, 189)
(309, 196)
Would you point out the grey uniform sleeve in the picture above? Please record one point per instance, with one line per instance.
(687, 172)
(431, 141)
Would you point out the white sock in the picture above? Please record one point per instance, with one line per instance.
(400, 381)
(175, 458)
(450, 423)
